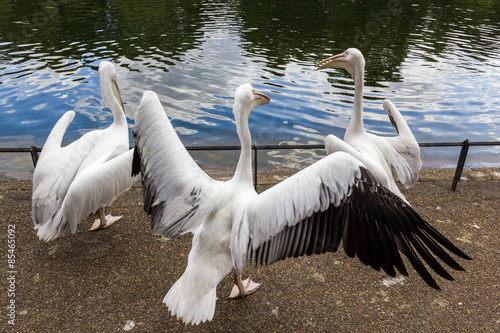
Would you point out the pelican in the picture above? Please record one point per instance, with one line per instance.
(382, 155)
(71, 182)
(332, 201)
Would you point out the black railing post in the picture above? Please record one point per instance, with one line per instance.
(460, 164)
(34, 155)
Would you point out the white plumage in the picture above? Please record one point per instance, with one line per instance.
(71, 182)
(334, 200)
(382, 155)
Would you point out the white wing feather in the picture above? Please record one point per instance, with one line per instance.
(56, 169)
(173, 184)
(402, 153)
(292, 200)
(334, 144)
(91, 189)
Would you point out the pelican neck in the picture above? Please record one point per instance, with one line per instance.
(111, 101)
(356, 123)
(243, 171)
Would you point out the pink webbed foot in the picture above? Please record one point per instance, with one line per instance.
(98, 225)
(243, 288)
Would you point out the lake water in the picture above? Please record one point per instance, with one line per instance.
(438, 61)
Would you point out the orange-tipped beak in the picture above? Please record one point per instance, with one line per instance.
(258, 99)
(266, 99)
(329, 62)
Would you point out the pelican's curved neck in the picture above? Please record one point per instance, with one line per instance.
(243, 171)
(356, 123)
(111, 101)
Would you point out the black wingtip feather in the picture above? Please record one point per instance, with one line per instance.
(391, 118)
(438, 251)
(444, 241)
(428, 258)
(136, 162)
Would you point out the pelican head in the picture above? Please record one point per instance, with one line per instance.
(247, 96)
(109, 83)
(350, 60)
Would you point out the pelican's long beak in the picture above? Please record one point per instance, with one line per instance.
(332, 62)
(258, 99)
(116, 92)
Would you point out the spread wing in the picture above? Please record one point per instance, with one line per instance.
(174, 186)
(337, 200)
(402, 152)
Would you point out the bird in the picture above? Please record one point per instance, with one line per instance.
(335, 200)
(72, 182)
(382, 155)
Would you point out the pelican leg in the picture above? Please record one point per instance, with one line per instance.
(103, 221)
(243, 288)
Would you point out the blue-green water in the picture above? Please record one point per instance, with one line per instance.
(438, 61)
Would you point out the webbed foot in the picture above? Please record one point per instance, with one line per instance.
(109, 220)
(243, 288)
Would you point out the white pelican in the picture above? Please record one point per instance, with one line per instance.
(336, 199)
(401, 154)
(71, 182)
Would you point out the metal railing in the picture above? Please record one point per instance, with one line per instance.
(33, 150)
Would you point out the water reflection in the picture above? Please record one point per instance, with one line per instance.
(438, 61)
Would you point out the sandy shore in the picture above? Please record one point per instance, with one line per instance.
(114, 280)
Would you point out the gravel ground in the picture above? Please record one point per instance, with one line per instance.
(114, 280)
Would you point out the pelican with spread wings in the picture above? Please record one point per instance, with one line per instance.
(336, 200)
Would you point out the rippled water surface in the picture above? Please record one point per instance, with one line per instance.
(437, 61)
